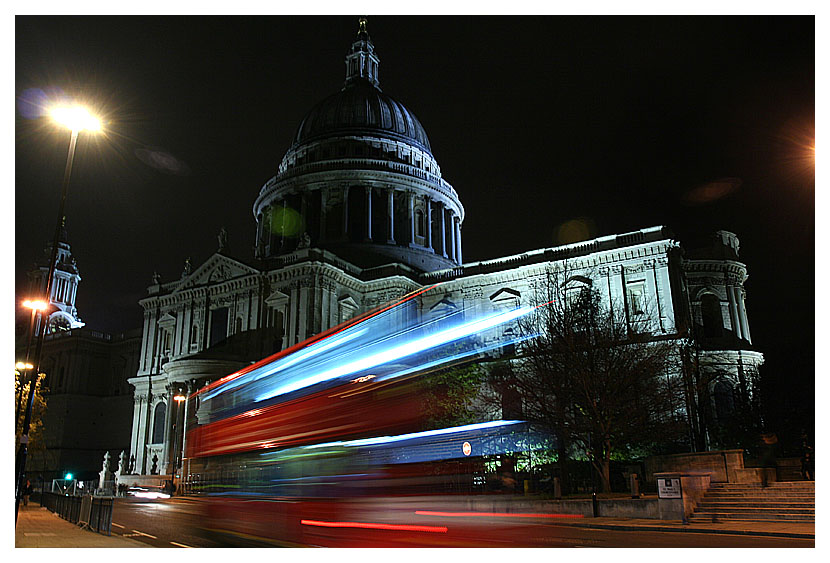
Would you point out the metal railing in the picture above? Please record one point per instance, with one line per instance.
(94, 513)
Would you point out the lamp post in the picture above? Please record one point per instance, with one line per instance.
(76, 119)
(178, 397)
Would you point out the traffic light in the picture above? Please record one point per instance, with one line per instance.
(68, 477)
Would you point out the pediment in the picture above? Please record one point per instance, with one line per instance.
(348, 301)
(276, 299)
(578, 281)
(505, 294)
(444, 305)
(217, 269)
(168, 320)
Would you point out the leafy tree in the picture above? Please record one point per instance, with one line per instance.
(21, 387)
(449, 395)
(593, 375)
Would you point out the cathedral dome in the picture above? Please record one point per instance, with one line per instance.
(360, 180)
(361, 108)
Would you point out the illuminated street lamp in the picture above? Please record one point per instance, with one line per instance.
(179, 398)
(76, 119)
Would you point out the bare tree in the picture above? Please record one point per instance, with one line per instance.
(594, 375)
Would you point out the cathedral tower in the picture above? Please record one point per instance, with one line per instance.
(63, 314)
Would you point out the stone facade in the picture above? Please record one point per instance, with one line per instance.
(359, 214)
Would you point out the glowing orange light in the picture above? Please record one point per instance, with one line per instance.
(179, 398)
(22, 366)
(495, 514)
(373, 526)
(35, 304)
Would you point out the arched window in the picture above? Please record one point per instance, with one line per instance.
(724, 401)
(194, 335)
(158, 423)
(712, 317)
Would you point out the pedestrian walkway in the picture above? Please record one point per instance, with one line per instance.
(805, 530)
(37, 527)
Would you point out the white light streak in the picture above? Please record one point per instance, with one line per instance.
(398, 352)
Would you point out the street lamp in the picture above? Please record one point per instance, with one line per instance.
(178, 397)
(76, 119)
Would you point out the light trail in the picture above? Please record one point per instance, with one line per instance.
(375, 526)
(494, 514)
(399, 351)
(222, 383)
(415, 435)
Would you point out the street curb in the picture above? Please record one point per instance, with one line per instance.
(694, 530)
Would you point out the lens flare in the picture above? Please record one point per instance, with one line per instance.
(287, 222)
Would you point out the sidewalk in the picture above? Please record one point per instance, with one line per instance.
(37, 527)
(769, 529)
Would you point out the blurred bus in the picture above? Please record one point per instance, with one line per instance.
(325, 443)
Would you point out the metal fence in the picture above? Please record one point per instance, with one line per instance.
(94, 513)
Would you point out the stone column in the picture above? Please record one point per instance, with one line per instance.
(345, 235)
(282, 223)
(390, 211)
(443, 231)
(288, 319)
(411, 198)
(429, 223)
(458, 239)
(168, 431)
(452, 238)
(323, 193)
(136, 442)
(368, 214)
(304, 313)
(741, 295)
(733, 310)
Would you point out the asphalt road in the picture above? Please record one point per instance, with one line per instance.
(174, 523)
(161, 523)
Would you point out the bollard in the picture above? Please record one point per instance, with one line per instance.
(557, 488)
(595, 504)
(635, 485)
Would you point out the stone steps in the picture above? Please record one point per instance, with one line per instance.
(758, 509)
(782, 505)
(750, 502)
(788, 485)
(761, 498)
(726, 517)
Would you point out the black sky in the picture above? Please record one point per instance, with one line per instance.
(534, 120)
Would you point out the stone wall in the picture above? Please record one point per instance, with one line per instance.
(723, 465)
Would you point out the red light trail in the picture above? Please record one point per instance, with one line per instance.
(374, 526)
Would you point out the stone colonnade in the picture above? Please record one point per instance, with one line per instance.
(360, 214)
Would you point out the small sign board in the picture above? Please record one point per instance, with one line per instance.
(668, 488)
(466, 448)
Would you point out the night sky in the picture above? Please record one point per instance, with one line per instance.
(696, 123)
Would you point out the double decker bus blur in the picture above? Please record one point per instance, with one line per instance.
(326, 443)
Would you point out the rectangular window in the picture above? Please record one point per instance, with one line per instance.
(636, 298)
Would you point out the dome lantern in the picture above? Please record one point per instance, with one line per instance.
(361, 60)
